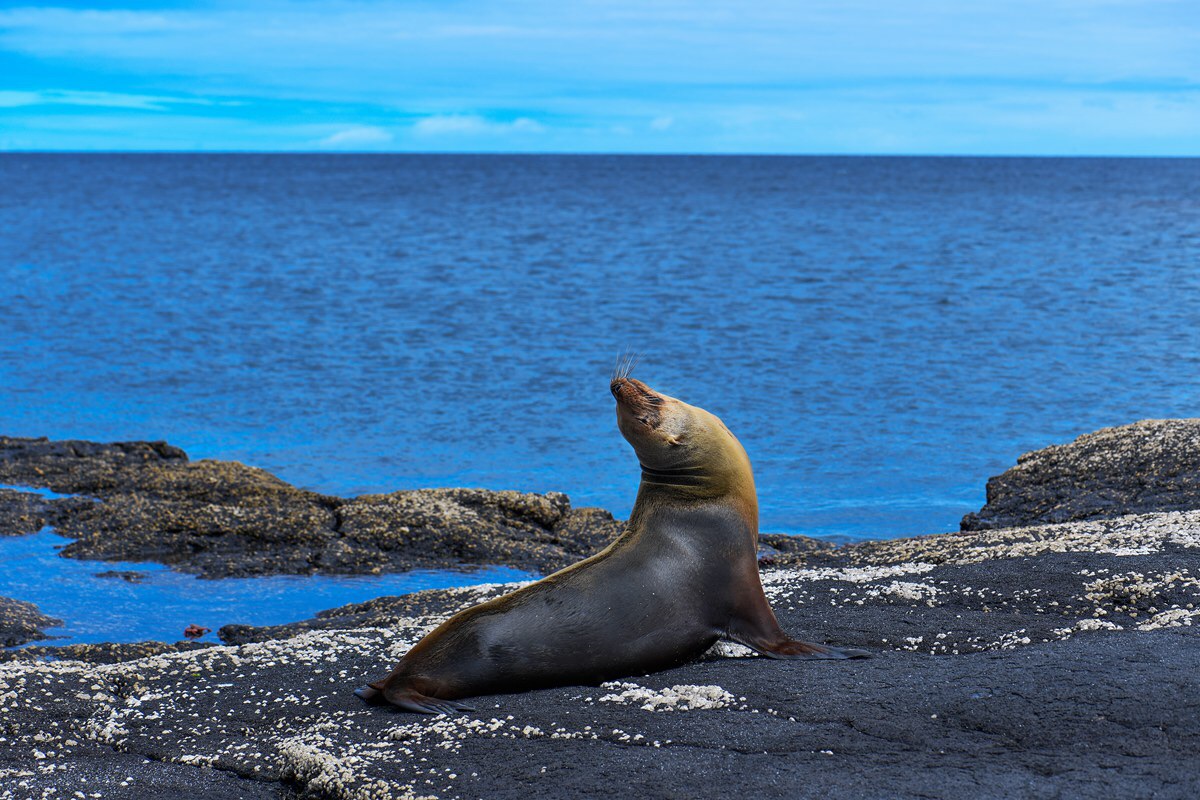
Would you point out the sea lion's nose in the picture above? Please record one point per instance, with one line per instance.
(616, 385)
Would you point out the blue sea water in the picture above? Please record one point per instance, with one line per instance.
(881, 333)
(159, 603)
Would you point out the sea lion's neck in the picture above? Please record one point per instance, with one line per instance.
(674, 476)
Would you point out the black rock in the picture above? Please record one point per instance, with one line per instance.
(102, 653)
(145, 501)
(1152, 465)
(22, 622)
(127, 575)
(22, 512)
(1055, 661)
(1051, 660)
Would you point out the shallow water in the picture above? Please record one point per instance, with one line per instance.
(40, 492)
(881, 333)
(162, 602)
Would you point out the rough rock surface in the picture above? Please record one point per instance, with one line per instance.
(22, 622)
(145, 501)
(1152, 465)
(1050, 661)
(22, 512)
(1047, 660)
(102, 653)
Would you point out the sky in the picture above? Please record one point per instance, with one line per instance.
(936, 77)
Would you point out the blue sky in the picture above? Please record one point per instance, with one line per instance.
(1072, 77)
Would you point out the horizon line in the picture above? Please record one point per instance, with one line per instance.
(606, 153)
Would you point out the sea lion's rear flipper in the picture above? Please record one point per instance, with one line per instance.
(409, 700)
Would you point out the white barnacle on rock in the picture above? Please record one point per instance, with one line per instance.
(482, 591)
(724, 649)
(1009, 641)
(320, 770)
(906, 590)
(196, 760)
(1171, 618)
(1132, 535)
(1185, 531)
(1133, 592)
(681, 697)
(1088, 624)
(781, 577)
(110, 730)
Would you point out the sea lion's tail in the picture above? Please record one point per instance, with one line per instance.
(369, 694)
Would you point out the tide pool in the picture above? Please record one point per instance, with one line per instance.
(158, 603)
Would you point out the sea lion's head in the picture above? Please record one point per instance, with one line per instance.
(679, 444)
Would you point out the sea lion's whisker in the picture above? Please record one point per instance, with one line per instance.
(627, 362)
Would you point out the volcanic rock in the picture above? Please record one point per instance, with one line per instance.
(1046, 661)
(145, 501)
(1152, 465)
(22, 622)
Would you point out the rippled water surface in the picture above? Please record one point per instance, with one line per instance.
(881, 333)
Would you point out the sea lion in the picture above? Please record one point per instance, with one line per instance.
(683, 575)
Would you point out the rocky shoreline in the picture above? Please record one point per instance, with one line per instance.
(1053, 651)
(147, 501)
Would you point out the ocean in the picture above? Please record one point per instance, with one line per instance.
(882, 334)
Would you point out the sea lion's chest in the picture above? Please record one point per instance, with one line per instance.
(698, 536)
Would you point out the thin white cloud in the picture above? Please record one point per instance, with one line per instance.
(98, 22)
(14, 99)
(368, 137)
(525, 125)
(450, 124)
(661, 123)
(472, 125)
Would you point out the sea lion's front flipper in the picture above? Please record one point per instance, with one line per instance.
(757, 628)
(796, 649)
